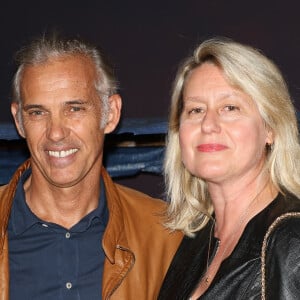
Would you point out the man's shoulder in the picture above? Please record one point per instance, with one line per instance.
(133, 196)
(137, 207)
(3, 191)
(149, 214)
(3, 188)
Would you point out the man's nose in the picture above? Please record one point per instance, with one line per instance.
(57, 128)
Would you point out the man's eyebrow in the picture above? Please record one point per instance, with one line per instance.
(31, 106)
(72, 102)
(40, 106)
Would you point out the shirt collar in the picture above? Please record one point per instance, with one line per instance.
(22, 218)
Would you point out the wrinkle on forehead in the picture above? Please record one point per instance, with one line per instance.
(214, 82)
(56, 75)
(77, 68)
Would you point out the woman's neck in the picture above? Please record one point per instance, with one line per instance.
(235, 209)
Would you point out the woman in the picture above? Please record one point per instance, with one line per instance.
(232, 170)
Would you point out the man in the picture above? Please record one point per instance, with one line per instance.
(69, 232)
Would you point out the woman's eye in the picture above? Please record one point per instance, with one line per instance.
(231, 108)
(196, 110)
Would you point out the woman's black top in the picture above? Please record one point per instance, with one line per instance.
(239, 276)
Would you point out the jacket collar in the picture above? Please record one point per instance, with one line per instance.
(112, 239)
(6, 199)
(114, 236)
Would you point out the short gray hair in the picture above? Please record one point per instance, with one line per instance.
(53, 46)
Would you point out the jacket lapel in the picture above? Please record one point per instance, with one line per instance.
(7, 193)
(120, 259)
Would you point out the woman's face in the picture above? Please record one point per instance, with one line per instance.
(222, 135)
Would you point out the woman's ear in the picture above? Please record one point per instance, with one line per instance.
(114, 112)
(270, 137)
(14, 108)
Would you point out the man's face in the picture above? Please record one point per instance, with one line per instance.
(61, 113)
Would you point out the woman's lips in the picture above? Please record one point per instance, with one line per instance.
(211, 147)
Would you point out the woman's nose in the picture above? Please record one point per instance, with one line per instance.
(210, 122)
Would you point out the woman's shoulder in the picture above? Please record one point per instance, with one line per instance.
(286, 224)
(291, 201)
(280, 257)
(283, 235)
(285, 206)
(279, 220)
(284, 212)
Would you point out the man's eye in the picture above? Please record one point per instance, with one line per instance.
(76, 108)
(35, 113)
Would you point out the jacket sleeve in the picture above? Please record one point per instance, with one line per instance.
(282, 267)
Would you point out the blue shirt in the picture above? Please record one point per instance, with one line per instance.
(49, 262)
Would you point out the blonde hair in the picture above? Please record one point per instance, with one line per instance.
(250, 71)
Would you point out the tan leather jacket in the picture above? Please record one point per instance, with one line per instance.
(138, 249)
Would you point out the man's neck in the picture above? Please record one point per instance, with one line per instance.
(62, 206)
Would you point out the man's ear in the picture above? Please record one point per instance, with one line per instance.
(114, 112)
(14, 108)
